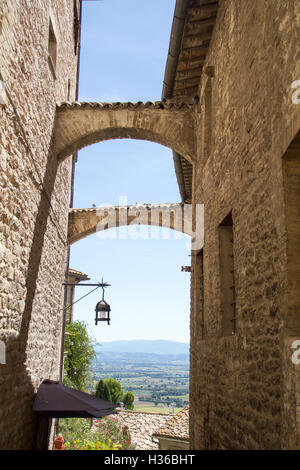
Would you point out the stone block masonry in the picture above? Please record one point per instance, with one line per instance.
(244, 387)
(241, 136)
(34, 200)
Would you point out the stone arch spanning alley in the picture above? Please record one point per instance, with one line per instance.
(84, 222)
(166, 123)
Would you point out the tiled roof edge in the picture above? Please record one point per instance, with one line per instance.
(134, 206)
(164, 104)
(144, 413)
(167, 436)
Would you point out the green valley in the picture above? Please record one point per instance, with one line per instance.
(159, 382)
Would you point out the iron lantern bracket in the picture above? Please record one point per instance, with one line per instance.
(102, 284)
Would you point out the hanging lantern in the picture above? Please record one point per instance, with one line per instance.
(102, 308)
(102, 311)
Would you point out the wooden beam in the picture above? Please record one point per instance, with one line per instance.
(204, 11)
(198, 26)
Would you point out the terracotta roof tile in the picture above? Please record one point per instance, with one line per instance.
(79, 274)
(141, 426)
(165, 104)
(177, 427)
(135, 206)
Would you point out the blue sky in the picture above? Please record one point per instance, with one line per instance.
(123, 56)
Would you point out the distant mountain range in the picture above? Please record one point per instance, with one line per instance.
(145, 346)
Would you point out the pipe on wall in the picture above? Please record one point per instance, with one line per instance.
(170, 72)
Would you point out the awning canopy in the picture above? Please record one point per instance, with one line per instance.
(54, 400)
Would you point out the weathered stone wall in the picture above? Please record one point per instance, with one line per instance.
(243, 387)
(34, 203)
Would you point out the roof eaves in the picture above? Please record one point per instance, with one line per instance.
(170, 72)
(184, 438)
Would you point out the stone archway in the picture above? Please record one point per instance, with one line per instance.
(166, 123)
(84, 222)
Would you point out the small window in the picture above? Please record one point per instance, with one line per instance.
(208, 119)
(52, 48)
(3, 95)
(227, 276)
(199, 291)
(5, 19)
(68, 90)
(291, 187)
(76, 25)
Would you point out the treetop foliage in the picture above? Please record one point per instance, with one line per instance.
(111, 390)
(80, 353)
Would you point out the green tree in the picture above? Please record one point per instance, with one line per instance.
(102, 391)
(128, 400)
(114, 388)
(80, 353)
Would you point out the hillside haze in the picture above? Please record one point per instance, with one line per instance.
(145, 346)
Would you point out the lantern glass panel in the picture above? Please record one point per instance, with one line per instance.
(102, 314)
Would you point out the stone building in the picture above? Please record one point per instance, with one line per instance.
(241, 59)
(139, 426)
(230, 111)
(39, 47)
(174, 434)
(74, 277)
